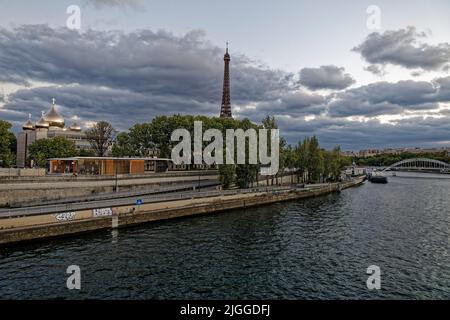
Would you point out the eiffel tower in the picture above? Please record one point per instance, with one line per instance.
(225, 110)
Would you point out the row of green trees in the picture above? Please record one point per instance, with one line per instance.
(154, 138)
(311, 163)
(147, 139)
(389, 159)
(57, 147)
(8, 144)
(307, 160)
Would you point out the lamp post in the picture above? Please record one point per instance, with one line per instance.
(116, 188)
(199, 177)
(198, 187)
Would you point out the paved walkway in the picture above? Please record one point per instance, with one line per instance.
(152, 198)
(101, 183)
(24, 221)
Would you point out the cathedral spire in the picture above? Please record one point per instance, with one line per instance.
(225, 110)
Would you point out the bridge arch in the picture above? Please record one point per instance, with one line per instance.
(420, 163)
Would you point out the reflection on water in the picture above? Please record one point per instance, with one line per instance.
(314, 248)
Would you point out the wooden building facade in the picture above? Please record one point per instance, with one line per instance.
(107, 165)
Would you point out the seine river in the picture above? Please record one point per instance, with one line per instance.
(310, 249)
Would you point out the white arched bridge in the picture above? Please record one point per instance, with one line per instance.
(419, 164)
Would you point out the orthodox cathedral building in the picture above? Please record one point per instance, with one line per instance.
(50, 125)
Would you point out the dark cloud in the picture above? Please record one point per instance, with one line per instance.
(142, 61)
(128, 77)
(355, 135)
(302, 100)
(294, 104)
(325, 77)
(125, 78)
(404, 47)
(445, 112)
(376, 70)
(14, 117)
(390, 98)
(121, 107)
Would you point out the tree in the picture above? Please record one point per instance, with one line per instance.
(86, 153)
(289, 159)
(302, 158)
(147, 138)
(101, 137)
(328, 163)
(57, 147)
(315, 160)
(157, 134)
(138, 141)
(122, 146)
(8, 144)
(162, 128)
(227, 175)
(314, 164)
(269, 123)
(333, 164)
(338, 162)
(246, 174)
(141, 139)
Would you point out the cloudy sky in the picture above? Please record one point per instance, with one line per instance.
(353, 74)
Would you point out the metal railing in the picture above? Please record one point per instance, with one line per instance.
(120, 194)
(157, 195)
(5, 178)
(58, 208)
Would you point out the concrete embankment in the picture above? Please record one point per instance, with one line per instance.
(14, 192)
(23, 228)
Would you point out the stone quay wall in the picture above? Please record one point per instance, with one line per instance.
(70, 223)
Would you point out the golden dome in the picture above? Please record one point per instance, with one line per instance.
(42, 123)
(28, 125)
(75, 127)
(53, 118)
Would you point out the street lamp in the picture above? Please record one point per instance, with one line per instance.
(199, 176)
(117, 182)
(198, 187)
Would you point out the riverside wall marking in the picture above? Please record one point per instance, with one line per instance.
(18, 229)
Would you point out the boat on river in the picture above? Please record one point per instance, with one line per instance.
(377, 178)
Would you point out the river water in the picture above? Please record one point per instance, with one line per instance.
(308, 249)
